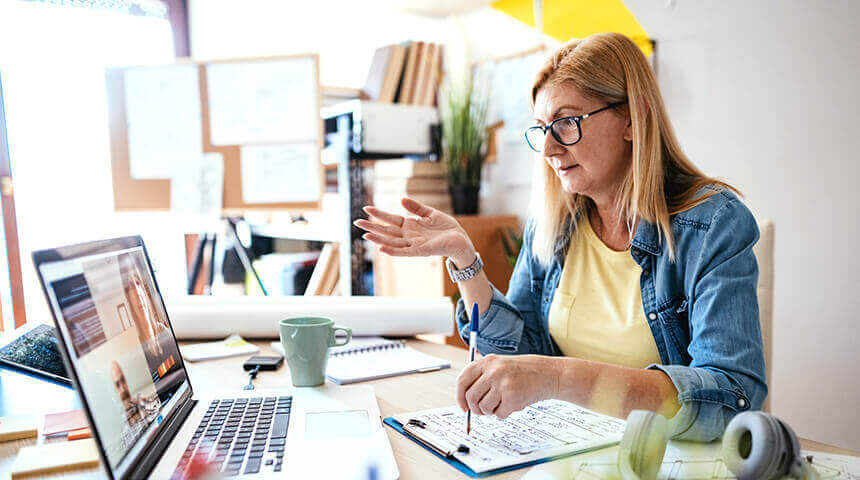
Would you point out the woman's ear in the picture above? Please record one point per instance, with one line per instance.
(628, 115)
(628, 129)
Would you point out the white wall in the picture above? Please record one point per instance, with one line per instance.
(764, 94)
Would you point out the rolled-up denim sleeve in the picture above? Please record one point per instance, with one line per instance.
(511, 324)
(727, 372)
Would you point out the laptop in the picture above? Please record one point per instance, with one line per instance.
(121, 353)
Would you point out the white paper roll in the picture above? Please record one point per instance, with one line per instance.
(203, 316)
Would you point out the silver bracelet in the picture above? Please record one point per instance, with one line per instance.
(458, 276)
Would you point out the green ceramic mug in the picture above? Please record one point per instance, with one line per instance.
(306, 341)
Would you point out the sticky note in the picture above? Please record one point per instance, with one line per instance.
(55, 457)
(63, 422)
(18, 427)
(79, 434)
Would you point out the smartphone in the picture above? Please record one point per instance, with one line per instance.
(264, 362)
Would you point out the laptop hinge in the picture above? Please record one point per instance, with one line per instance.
(153, 454)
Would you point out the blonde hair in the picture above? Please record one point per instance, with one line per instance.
(660, 182)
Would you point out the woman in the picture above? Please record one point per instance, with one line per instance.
(636, 284)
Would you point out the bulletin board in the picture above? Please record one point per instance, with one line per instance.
(257, 114)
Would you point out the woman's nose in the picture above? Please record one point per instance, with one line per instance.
(551, 146)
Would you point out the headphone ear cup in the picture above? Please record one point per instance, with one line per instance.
(758, 446)
(643, 445)
(791, 442)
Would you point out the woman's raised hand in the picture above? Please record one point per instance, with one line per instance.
(429, 232)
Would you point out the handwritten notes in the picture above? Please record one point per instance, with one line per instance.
(546, 429)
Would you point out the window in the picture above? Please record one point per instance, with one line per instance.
(52, 59)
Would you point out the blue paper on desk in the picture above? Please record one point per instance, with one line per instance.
(541, 432)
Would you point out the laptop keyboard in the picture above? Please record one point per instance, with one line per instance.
(240, 436)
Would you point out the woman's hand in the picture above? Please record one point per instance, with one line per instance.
(500, 384)
(430, 232)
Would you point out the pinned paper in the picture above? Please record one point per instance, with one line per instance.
(197, 185)
(163, 114)
(271, 101)
(281, 173)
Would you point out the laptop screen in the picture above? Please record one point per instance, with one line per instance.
(120, 345)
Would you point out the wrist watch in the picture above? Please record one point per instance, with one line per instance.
(458, 276)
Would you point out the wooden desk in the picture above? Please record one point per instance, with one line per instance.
(395, 395)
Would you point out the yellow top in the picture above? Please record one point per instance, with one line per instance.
(596, 313)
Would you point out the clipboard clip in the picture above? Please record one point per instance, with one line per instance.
(414, 422)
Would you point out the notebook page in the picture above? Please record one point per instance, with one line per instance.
(545, 429)
(356, 343)
(384, 362)
(362, 343)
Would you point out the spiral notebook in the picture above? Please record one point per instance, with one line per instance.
(371, 358)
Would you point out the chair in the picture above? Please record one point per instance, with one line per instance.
(763, 251)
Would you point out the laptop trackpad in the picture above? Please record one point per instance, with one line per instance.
(332, 425)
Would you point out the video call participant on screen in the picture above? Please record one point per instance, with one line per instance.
(143, 311)
(152, 328)
(135, 414)
(635, 287)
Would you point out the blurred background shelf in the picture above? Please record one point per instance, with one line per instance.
(427, 276)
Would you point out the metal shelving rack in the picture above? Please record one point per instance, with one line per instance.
(345, 132)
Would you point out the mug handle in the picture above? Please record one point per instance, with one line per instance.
(333, 341)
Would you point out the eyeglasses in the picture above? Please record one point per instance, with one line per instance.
(566, 131)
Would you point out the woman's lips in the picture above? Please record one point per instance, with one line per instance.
(566, 170)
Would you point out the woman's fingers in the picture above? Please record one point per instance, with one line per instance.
(465, 380)
(378, 228)
(387, 241)
(505, 409)
(476, 392)
(491, 401)
(384, 216)
(416, 207)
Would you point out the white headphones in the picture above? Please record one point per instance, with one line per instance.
(756, 446)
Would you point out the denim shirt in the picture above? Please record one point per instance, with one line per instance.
(702, 309)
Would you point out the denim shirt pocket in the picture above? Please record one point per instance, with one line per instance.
(559, 314)
(674, 320)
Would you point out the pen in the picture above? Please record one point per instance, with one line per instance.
(473, 345)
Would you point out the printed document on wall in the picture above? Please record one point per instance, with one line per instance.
(272, 101)
(163, 119)
(197, 185)
(280, 173)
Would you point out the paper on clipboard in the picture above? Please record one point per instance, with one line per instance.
(197, 185)
(266, 101)
(544, 430)
(162, 106)
(280, 173)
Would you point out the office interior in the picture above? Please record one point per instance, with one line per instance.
(760, 94)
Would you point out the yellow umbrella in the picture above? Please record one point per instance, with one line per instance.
(566, 19)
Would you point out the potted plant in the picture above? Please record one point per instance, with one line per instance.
(464, 138)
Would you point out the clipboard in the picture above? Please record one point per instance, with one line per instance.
(439, 452)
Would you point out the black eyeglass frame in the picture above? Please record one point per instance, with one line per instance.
(576, 119)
